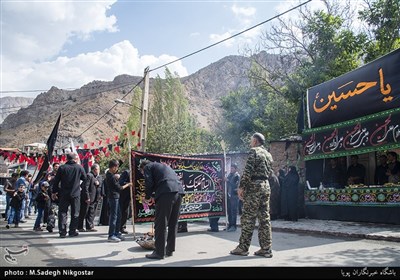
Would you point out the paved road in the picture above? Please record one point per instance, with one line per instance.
(197, 248)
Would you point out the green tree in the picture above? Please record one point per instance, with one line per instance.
(132, 124)
(296, 54)
(171, 129)
(383, 27)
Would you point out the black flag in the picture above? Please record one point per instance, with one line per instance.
(50, 149)
(51, 142)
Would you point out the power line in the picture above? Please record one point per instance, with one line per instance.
(186, 56)
(237, 34)
(166, 64)
(112, 107)
(62, 100)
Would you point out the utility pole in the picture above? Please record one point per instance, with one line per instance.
(145, 108)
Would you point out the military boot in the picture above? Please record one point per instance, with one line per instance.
(239, 251)
(267, 253)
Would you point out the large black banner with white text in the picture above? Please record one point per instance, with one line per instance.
(372, 88)
(202, 180)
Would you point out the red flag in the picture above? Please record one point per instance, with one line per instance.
(133, 133)
(13, 156)
(92, 144)
(21, 158)
(85, 146)
(116, 148)
(116, 138)
(100, 141)
(104, 149)
(108, 140)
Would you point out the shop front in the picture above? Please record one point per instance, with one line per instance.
(358, 114)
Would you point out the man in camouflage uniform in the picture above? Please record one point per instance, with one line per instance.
(255, 191)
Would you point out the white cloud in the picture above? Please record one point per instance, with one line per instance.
(219, 37)
(194, 34)
(246, 17)
(33, 37)
(74, 72)
(38, 30)
(243, 11)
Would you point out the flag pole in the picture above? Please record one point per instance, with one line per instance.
(223, 145)
(132, 185)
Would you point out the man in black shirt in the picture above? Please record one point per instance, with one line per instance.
(355, 172)
(113, 189)
(380, 177)
(164, 185)
(70, 176)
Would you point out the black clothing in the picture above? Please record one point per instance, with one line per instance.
(160, 179)
(69, 194)
(125, 198)
(233, 180)
(163, 181)
(380, 177)
(112, 186)
(357, 172)
(42, 199)
(113, 189)
(167, 215)
(65, 202)
(104, 212)
(290, 196)
(16, 200)
(275, 198)
(69, 174)
(333, 177)
(86, 213)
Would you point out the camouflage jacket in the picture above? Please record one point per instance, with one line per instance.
(258, 165)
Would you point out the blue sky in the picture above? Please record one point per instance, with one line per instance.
(70, 43)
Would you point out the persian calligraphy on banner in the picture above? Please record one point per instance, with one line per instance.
(202, 180)
(380, 131)
(372, 88)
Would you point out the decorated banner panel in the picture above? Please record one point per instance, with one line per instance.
(202, 181)
(372, 88)
(379, 131)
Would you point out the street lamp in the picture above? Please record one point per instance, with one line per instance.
(122, 102)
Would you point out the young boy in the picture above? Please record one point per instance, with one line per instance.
(15, 206)
(42, 199)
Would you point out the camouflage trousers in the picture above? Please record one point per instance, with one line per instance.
(256, 206)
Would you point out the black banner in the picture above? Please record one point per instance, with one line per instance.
(379, 131)
(372, 88)
(202, 180)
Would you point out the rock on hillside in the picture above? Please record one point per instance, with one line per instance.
(84, 107)
(10, 105)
